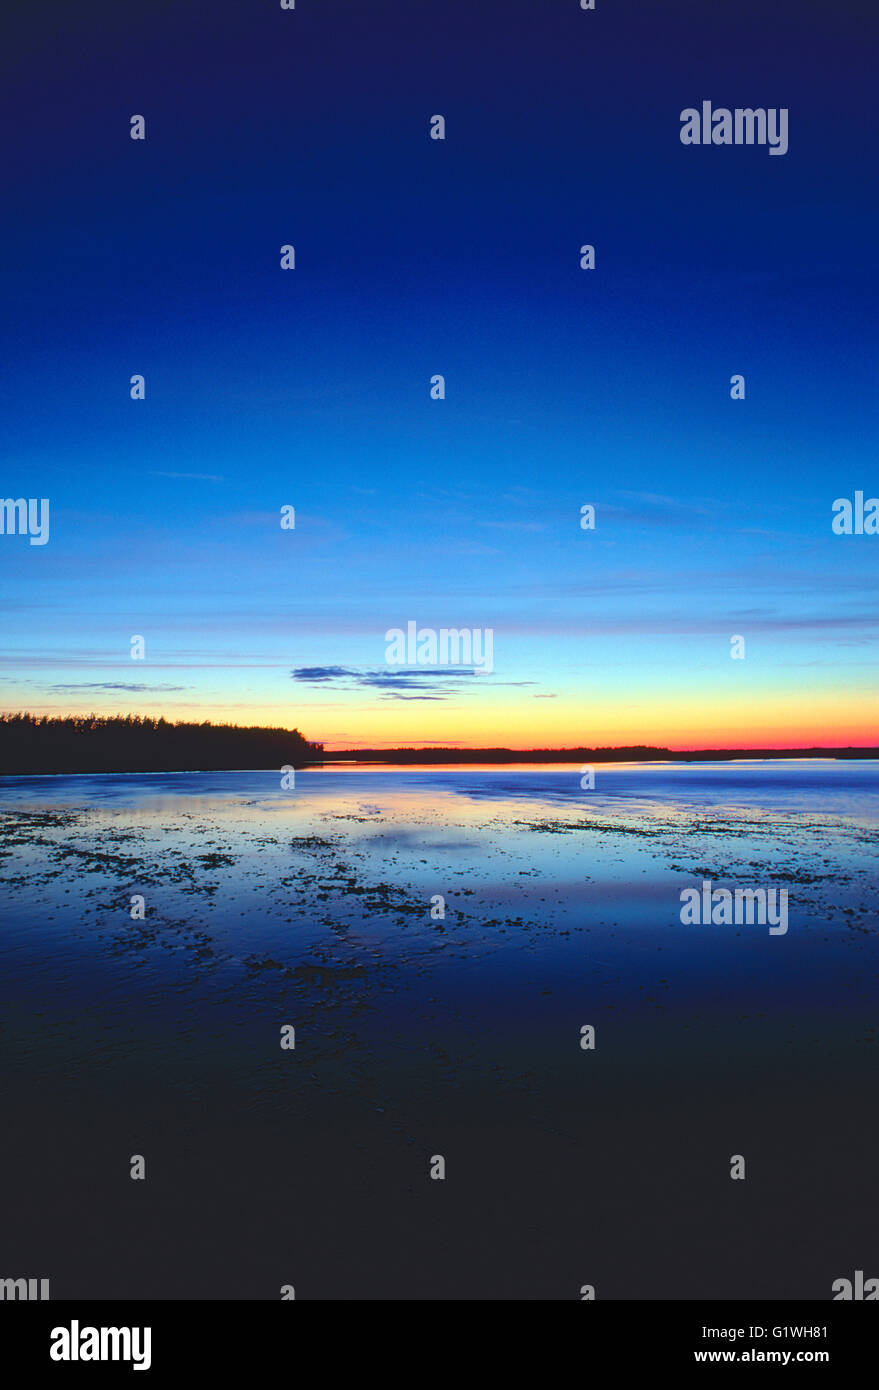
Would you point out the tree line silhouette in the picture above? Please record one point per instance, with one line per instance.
(639, 753)
(135, 743)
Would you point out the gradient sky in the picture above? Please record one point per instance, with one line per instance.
(415, 257)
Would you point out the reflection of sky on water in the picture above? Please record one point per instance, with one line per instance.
(832, 786)
(557, 899)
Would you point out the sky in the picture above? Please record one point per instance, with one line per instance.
(310, 387)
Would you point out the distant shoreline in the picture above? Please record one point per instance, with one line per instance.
(82, 745)
(401, 756)
(498, 757)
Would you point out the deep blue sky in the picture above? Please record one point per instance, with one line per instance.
(415, 257)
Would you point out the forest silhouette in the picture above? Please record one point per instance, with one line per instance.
(40, 744)
(135, 743)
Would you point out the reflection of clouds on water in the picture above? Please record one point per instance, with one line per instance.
(312, 909)
(420, 840)
(316, 904)
(846, 787)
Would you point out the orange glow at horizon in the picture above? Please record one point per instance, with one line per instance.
(731, 720)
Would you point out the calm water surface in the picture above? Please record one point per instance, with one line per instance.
(458, 1034)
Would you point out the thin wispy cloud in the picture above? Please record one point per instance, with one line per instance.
(429, 683)
(192, 477)
(130, 689)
